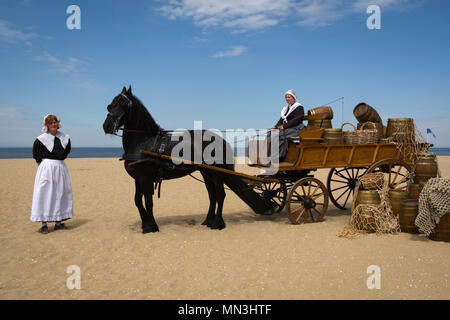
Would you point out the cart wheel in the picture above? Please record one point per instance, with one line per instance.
(397, 171)
(274, 192)
(341, 184)
(307, 201)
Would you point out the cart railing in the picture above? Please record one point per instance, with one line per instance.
(314, 155)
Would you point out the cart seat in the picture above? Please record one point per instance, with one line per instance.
(295, 140)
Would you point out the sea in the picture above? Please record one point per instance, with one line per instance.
(27, 153)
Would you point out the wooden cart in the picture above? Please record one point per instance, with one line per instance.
(307, 197)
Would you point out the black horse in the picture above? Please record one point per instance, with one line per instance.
(140, 131)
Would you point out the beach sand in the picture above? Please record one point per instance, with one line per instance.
(255, 257)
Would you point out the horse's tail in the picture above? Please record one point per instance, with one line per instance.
(250, 197)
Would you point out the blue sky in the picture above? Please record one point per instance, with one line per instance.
(227, 63)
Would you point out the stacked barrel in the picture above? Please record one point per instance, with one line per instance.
(368, 197)
(425, 168)
(442, 230)
(401, 130)
(365, 113)
(321, 117)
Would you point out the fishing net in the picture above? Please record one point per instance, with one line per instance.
(434, 203)
(409, 141)
(407, 137)
(372, 218)
(380, 218)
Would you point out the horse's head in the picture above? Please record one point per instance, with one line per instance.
(118, 109)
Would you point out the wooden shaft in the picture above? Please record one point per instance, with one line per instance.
(206, 166)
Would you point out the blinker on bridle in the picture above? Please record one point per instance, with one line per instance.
(130, 103)
(117, 119)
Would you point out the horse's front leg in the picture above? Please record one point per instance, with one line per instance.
(209, 183)
(150, 224)
(138, 201)
(145, 188)
(219, 223)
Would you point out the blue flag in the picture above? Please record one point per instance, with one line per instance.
(429, 131)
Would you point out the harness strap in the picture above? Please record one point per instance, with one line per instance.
(164, 143)
(159, 182)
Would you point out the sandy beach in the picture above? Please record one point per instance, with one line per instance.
(255, 257)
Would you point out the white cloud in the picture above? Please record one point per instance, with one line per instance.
(74, 67)
(71, 65)
(243, 16)
(8, 34)
(361, 5)
(320, 13)
(48, 58)
(254, 22)
(232, 52)
(236, 14)
(10, 112)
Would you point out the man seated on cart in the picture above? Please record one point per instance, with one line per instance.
(290, 123)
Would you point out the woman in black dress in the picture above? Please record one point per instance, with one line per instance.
(290, 122)
(52, 195)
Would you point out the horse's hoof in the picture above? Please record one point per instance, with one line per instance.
(208, 223)
(218, 225)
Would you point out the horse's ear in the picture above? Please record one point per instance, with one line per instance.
(124, 90)
(129, 90)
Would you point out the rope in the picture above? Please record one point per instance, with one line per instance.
(171, 131)
(367, 218)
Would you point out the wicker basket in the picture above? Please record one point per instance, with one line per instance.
(372, 181)
(350, 136)
(368, 135)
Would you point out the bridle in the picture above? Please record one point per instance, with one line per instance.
(119, 117)
(122, 113)
(130, 103)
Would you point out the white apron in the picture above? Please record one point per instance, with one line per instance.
(52, 196)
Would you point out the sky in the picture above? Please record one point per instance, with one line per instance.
(226, 63)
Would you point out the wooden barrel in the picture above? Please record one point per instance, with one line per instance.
(365, 113)
(368, 197)
(414, 190)
(442, 231)
(396, 198)
(408, 213)
(325, 113)
(401, 129)
(426, 167)
(365, 219)
(421, 179)
(333, 136)
(320, 123)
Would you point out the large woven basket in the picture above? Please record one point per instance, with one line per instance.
(350, 136)
(361, 136)
(368, 135)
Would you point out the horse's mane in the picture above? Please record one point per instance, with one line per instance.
(143, 118)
